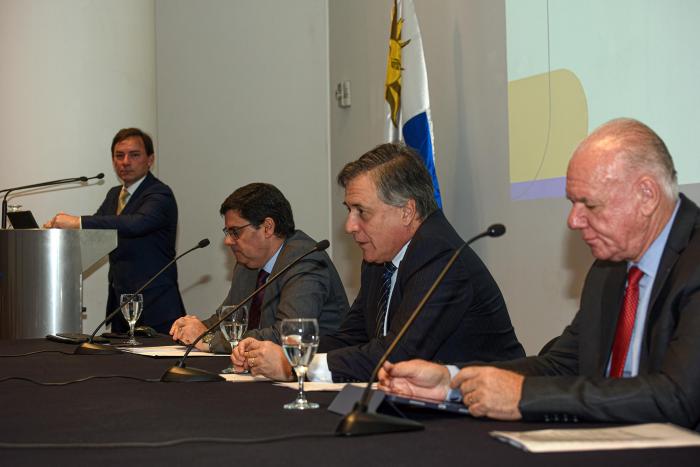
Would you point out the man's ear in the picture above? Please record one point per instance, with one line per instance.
(408, 211)
(649, 192)
(269, 227)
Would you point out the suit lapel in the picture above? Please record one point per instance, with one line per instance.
(677, 241)
(372, 302)
(132, 204)
(610, 303)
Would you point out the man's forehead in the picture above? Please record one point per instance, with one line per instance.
(132, 143)
(360, 189)
(234, 216)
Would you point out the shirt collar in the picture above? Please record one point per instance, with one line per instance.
(134, 186)
(271, 262)
(649, 263)
(399, 256)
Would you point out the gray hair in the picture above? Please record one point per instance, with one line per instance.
(642, 150)
(399, 175)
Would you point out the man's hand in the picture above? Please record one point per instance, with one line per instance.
(261, 358)
(63, 221)
(187, 329)
(490, 392)
(415, 378)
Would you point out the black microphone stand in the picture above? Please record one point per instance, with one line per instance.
(179, 373)
(62, 181)
(362, 422)
(91, 348)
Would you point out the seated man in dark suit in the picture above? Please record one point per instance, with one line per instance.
(144, 213)
(259, 230)
(405, 240)
(632, 352)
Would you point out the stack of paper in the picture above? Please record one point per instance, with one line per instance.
(650, 435)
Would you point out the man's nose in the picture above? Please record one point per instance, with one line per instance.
(350, 224)
(575, 220)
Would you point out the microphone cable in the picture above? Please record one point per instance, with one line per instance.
(169, 442)
(73, 381)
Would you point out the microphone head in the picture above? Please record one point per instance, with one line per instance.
(100, 176)
(322, 245)
(496, 230)
(202, 243)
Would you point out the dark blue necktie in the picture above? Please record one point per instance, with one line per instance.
(383, 305)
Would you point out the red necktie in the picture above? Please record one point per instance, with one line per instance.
(625, 323)
(256, 302)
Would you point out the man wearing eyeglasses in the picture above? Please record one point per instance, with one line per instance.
(259, 230)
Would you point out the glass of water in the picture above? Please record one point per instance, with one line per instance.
(132, 306)
(233, 328)
(300, 341)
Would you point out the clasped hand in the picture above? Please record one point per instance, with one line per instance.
(263, 358)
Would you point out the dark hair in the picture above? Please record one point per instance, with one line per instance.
(399, 174)
(125, 133)
(257, 201)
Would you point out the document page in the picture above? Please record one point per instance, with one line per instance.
(168, 351)
(649, 435)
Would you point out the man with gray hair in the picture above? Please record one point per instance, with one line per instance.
(406, 241)
(632, 352)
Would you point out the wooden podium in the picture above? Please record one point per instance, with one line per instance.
(41, 278)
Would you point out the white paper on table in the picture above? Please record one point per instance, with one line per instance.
(168, 351)
(311, 386)
(239, 378)
(648, 435)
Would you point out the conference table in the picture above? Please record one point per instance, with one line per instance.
(122, 415)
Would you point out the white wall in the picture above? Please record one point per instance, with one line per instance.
(242, 97)
(73, 73)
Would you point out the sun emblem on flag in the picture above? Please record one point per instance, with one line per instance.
(393, 67)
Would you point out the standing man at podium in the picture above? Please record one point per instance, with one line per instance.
(144, 213)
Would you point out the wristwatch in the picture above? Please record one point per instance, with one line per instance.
(208, 338)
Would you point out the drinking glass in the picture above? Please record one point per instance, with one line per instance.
(233, 328)
(132, 306)
(300, 341)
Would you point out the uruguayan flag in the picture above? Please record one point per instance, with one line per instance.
(408, 104)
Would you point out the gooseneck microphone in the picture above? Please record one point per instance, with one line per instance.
(362, 422)
(179, 373)
(62, 181)
(91, 348)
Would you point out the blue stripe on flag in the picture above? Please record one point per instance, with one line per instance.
(416, 134)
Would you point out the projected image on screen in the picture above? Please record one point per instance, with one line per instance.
(574, 65)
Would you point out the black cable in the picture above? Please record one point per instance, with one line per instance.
(65, 383)
(35, 352)
(164, 444)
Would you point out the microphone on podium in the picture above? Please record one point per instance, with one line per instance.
(91, 348)
(179, 373)
(362, 422)
(61, 181)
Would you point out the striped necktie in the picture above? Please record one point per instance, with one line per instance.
(384, 289)
(123, 196)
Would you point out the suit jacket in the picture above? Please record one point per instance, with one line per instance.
(146, 230)
(466, 318)
(569, 380)
(311, 289)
